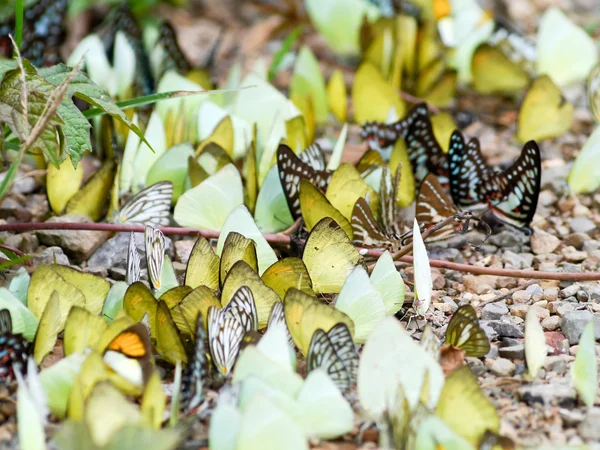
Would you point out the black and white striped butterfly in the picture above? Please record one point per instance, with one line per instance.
(43, 33)
(425, 154)
(511, 195)
(149, 206)
(155, 254)
(464, 332)
(336, 354)
(194, 377)
(388, 233)
(133, 261)
(227, 326)
(277, 317)
(309, 165)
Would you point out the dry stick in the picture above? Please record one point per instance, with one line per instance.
(285, 240)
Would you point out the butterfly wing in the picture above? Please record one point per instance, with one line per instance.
(225, 335)
(380, 135)
(155, 254)
(243, 308)
(277, 316)
(321, 353)
(5, 321)
(133, 261)
(292, 170)
(434, 206)
(194, 377)
(342, 342)
(520, 187)
(149, 206)
(313, 156)
(366, 231)
(467, 169)
(464, 332)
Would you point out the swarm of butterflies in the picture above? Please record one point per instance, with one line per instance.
(245, 315)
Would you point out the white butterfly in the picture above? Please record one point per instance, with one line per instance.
(150, 206)
(133, 261)
(155, 254)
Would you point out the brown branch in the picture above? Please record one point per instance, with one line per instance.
(282, 239)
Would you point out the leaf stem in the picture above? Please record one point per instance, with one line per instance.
(282, 239)
(19, 11)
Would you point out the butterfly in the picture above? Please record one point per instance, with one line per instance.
(277, 316)
(430, 342)
(174, 59)
(227, 326)
(367, 232)
(464, 332)
(150, 206)
(512, 195)
(513, 43)
(309, 165)
(155, 254)
(336, 354)
(194, 377)
(131, 345)
(425, 154)
(133, 261)
(43, 33)
(14, 348)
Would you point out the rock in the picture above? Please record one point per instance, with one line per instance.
(479, 284)
(590, 245)
(570, 417)
(447, 254)
(503, 327)
(508, 238)
(573, 255)
(551, 323)
(569, 291)
(37, 205)
(550, 294)
(49, 255)
(24, 185)
(512, 260)
(581, 225)
(183, 249)
(78, 244)
(576, 240)
(557, 364)
(534, 289)
(12, 208)
(589, 428)
(521, 296)
(573, 323)
(500, 367)
(556, 394)
(494, 311)
(506, 282)
(439, 281)
(513, 352)
(564, 308)
(113, 253)
(519, 310)
(543, 242)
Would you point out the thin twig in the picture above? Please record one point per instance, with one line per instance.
(281, 239)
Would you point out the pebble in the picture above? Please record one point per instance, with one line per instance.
(506, 282)
(513, 352)
(557, 364)
(551, 323)
(519, 310)
(569, 291)
(571, 417)
(494, 311)
(543, 242)
(534, 289)
(183, 249)
(575, 240)
(24, 185)
(590, 245)
(500, 367)
(77, 244)
(521, 296)
(573, 323)
(550, 294)
(513, 260)
(588, 428)
(49, 255)
(503, 327)
(571, 254)
(479, 284)
(555, 394)
(581, 224)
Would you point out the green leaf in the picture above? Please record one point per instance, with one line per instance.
(285, 48)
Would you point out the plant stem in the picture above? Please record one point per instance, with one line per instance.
(19, 8)
(282, 239)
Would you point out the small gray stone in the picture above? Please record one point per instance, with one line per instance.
(78, 244)
(551, 323)
(581, 224)
(543, 242)
(570, 267)
(590, 245)
(50, 255)
(507, 238)
(573, 255)
(494, 311)
(513, 260)
(556, 394)
(564, 308)
(519, 310)
(503, 328)
(575, 240)
(113, 253)
(500, 367)
(573, 323)
(550, 294)
(534, 289)
(506, 282)
(557, 364)
(569, 290)
(513, 352)
(521, 296)
(582, 296)
(24, 185)
(589, 428)
(571, 417)
(183, 249)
